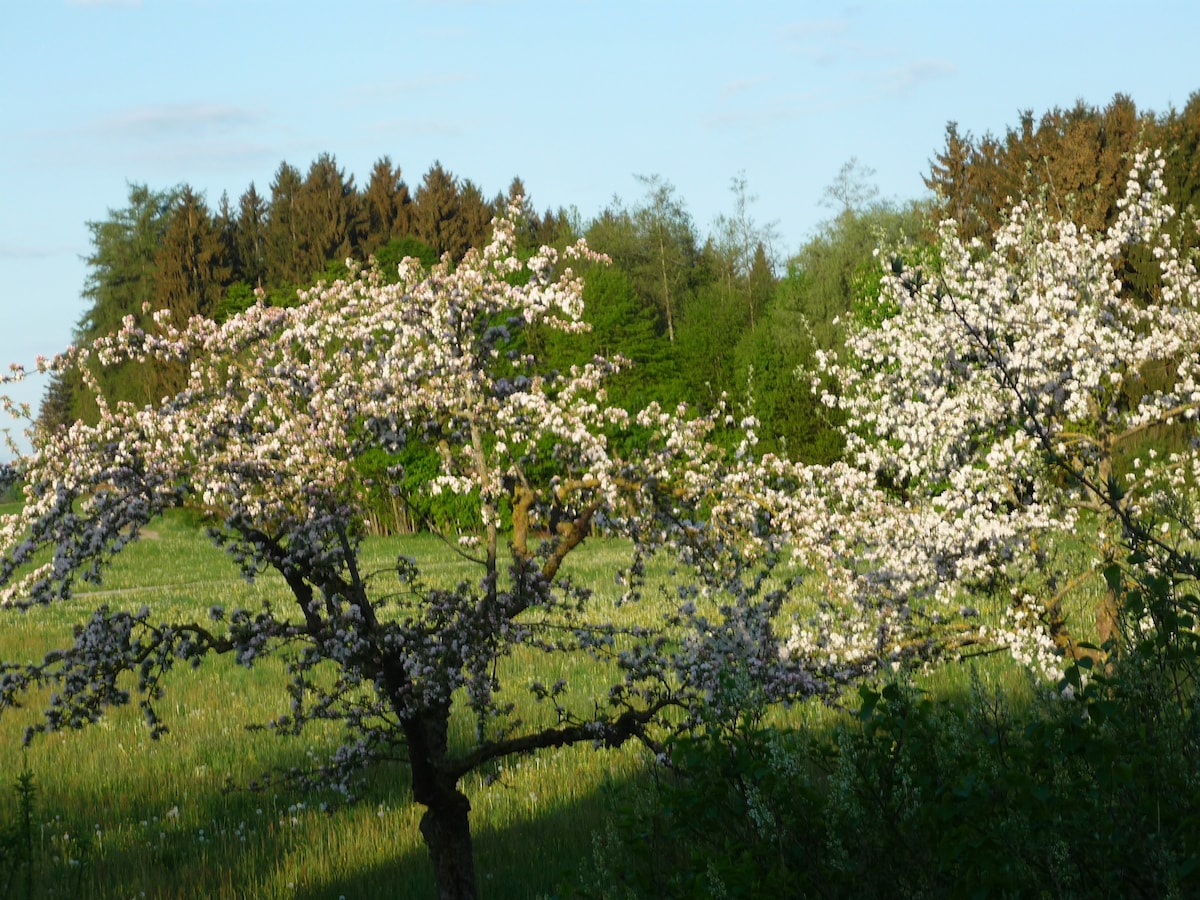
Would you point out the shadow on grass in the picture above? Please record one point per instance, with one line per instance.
(540, 857)
(182, 836)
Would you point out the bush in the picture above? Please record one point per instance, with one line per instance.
(1092, 792)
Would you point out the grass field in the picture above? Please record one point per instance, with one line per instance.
(119, 815)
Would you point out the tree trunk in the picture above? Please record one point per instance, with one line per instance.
(446, 824)
(447, 832)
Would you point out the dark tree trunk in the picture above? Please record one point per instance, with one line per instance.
(447, 833)
(446, 824)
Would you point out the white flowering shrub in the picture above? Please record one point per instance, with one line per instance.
(995, 402)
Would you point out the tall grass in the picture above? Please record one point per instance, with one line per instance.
(119, 815)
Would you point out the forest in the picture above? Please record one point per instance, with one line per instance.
(700, 315)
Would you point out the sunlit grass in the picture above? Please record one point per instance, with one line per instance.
(120, 815)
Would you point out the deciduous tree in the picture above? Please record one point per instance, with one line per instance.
(1014, 385)
(279, 404)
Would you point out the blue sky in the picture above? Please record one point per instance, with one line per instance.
(575, 96)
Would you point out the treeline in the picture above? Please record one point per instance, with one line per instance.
(701, 316)
(1078, 157)
(168, 250)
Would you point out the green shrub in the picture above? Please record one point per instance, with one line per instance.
(1091, 792)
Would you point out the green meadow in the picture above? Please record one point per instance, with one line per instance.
(120, 815)
(115, 814)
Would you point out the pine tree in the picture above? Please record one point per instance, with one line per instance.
(387, 211)
(436, 218)
(250, 239)
(281, 257)
(327, 220)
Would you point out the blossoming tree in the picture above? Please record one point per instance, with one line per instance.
(1003, 389)
(278, 405)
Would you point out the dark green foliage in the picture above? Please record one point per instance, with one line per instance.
(476, 215)
(437, 220)
(58, 403)
(18, 840)
(191, 266)
(769, 363)
(389, 256)
(393, 483)
(239, 297)
(121, 282)
(620, 325)
(834, 276)
(327, 219)
(281, 232)
(122, 263)
(710, 326)
(249, 254)
(978, 796)
(191, 273)
(387, 206)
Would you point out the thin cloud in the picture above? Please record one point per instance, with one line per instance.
(112, 3)
(828, 41)
(742, 86)
(208, 136)
(820, 40)
(26, 252)
(420, 128)
(173, 120)
(782, 109)
(814, 28)
(209, 155)
(408, 86)
(906, 78)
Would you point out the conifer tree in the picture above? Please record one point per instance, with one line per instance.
(283, 264)
(476, 214)
(436, 219)
(120, 282)
(250, 239)
(387, 211)
(190, 277)
(666, 232)
(225, 221)
(327, 217)
(121, 266)
(737, 237)
(191, 267)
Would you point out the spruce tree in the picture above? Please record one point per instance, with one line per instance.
(190, 278)
(250, 239)
(436, 218)
(387, 207)
(282, 260)
(327, 222)
(191, 266)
